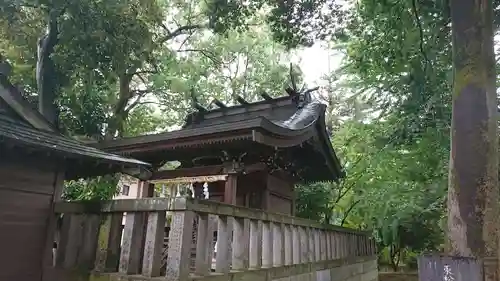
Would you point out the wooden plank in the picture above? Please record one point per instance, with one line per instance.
(288, 242)
(224, 230)
(49, 253)
(108, 252)
(153, 247)
(121, 205)
(90, 233)
(255, 251)
(439, 268)
(130, 256)
(204, 239)
(187, 172)
(278, 244)
(304, 244)
(241, 243)
(71, 236)
(179, 246)
(267, 245)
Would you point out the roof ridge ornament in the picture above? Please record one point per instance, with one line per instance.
(195, 103)
(301, 96)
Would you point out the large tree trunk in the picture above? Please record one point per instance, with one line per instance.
(473, 179)
(45, 70)
(117, 121)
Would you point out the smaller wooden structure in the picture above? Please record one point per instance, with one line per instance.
(34, 161)
(259, 150)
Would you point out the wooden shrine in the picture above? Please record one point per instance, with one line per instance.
(35, 159)
(258, 151)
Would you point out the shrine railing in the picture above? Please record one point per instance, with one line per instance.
(267, 246)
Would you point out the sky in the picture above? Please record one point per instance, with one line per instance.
(315, 62)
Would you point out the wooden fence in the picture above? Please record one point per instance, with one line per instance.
(248, 240)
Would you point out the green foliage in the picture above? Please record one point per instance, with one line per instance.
(130, 67)
(101, 188)
(313, 201)
(221, 67)
(397, 189)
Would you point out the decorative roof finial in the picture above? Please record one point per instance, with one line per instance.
(195, 103)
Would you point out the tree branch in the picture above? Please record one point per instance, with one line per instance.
(421, 34)
(141, 78)
(209, 54)
(245, 75)
(346, 213)
(139, 72)
(179, 31)
(139, 96)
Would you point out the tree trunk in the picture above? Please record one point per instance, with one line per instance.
(117, 121)
(46, 79)
(473, 179)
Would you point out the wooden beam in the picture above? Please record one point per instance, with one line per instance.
(256, 167)
(188, 172)
(203, 171)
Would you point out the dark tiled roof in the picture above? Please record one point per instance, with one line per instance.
(292, 122)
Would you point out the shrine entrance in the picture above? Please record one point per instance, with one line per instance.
(249, 186)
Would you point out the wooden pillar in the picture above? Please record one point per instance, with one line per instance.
(230, 189)
(247, 199)
(49, 255)
(266, 198)
(145, 189)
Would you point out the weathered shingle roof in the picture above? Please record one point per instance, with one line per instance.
(27, 136)
(25, 127)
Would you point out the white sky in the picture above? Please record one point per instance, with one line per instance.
(315, 62)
